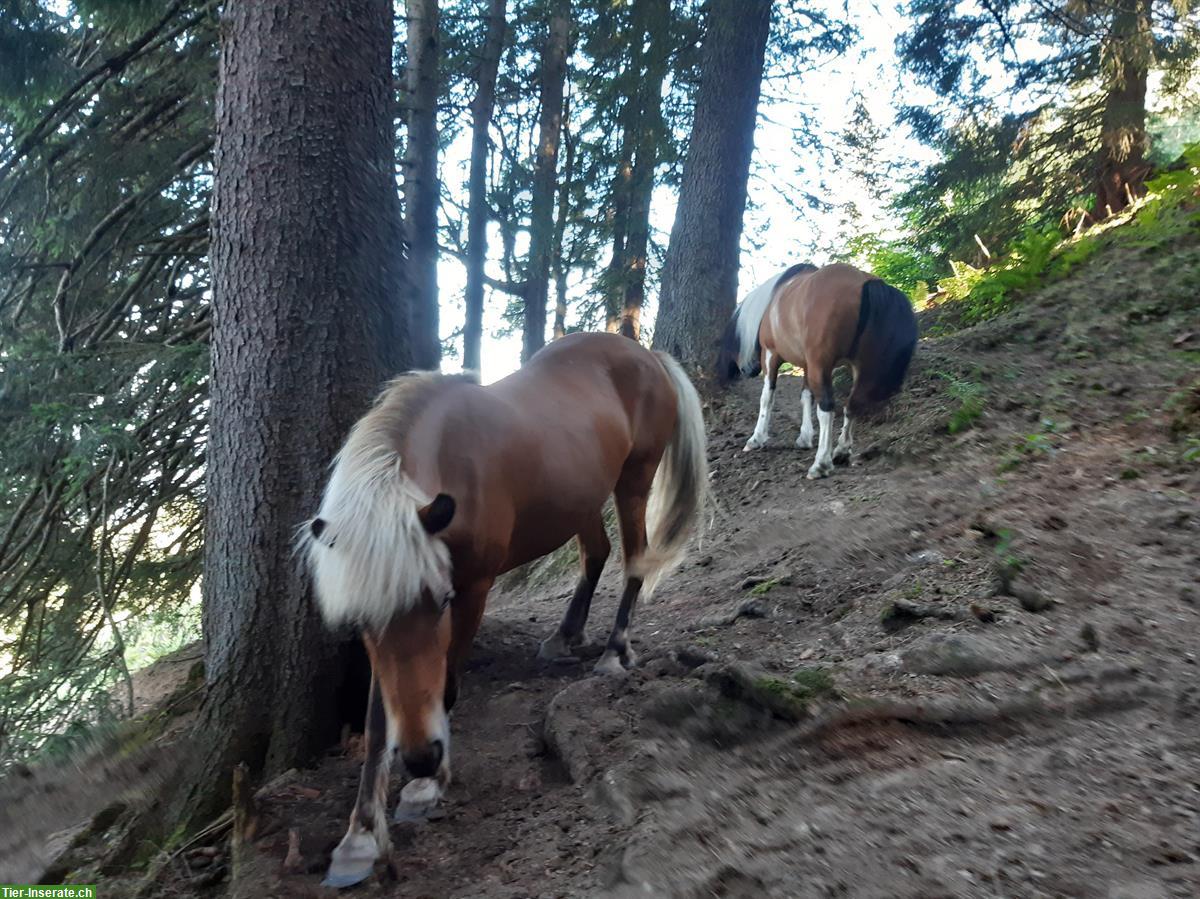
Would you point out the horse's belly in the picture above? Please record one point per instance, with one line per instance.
(544, 525)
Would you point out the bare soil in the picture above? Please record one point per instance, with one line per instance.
(1025, 723)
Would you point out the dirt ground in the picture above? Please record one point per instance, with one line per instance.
(964, 666)
(1045, 743)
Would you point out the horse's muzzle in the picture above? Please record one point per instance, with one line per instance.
(424, 761)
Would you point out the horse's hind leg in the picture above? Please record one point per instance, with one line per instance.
(593, 553)
(845, 444)
(805, 440)
(631, 495)
(762, 429)
(820, 379)
(367, 840)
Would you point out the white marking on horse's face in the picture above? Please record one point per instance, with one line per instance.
(763, 427)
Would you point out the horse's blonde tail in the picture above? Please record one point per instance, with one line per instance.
(680, 492)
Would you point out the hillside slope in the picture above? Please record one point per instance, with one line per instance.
(966, 665)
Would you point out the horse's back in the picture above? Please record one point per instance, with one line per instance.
(535, 452)
(814, 318)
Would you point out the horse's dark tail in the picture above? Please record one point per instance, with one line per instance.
(887, 323)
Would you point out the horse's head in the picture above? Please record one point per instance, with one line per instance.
(410, 661)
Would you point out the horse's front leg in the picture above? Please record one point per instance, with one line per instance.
(762, 428)
(367, 839)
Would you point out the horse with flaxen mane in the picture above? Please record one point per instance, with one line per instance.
(816, 318)
(444, 485)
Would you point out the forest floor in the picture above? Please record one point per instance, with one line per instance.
(965, 665)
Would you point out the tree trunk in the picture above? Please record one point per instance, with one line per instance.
(559, 263)
(622, 189)
(477, 212)
(421, 188)
(699, 283)
(1122, 167)
(657, 17)
(308, 320)
(541, 225)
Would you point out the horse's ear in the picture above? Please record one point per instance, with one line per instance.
(438, 514)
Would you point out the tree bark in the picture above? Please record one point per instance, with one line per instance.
(1125, 57)
(699, 284)
(308, 320)
(622, 187)
(421, 188)
(559, 262)
(477, 211)
(657, 17)
(545, 176)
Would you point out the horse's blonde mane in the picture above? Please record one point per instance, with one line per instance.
(370, 556)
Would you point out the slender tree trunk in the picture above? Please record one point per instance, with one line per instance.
(477, 212)
(308, 320)
(613, 285)
(657, 17)
(559, 264)
(1122, 167)
(699, 283)
(541, 225)
(421, 188)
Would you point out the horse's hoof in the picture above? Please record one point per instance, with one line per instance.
(353, 861)
(610, 665)
(418, 800)
(805, 443)
(555, 648)
(752, 444)
(841, 457)
(819, 471)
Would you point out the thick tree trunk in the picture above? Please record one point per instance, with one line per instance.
(1122, 167)
(477, 211)
(699, 283)
(308, 321)
(545, 176)
(657, 17)
(421, 188)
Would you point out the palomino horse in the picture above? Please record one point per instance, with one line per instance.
(444, 485)
(815, 318)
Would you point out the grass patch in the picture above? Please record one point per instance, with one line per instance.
(765, 587)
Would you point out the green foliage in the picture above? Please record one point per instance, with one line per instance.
(1030, 446)
(970, 398)
(103, 356)
(895, 261)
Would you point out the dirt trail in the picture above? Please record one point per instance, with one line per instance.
(1033, 578)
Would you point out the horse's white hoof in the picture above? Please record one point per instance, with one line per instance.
(610, 665)
(805, 441)
(353, 861)
(752, 444)
(418, 798)
(819, 471)
(555, 648)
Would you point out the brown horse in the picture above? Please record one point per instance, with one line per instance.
(444, 485)
(816, 318)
